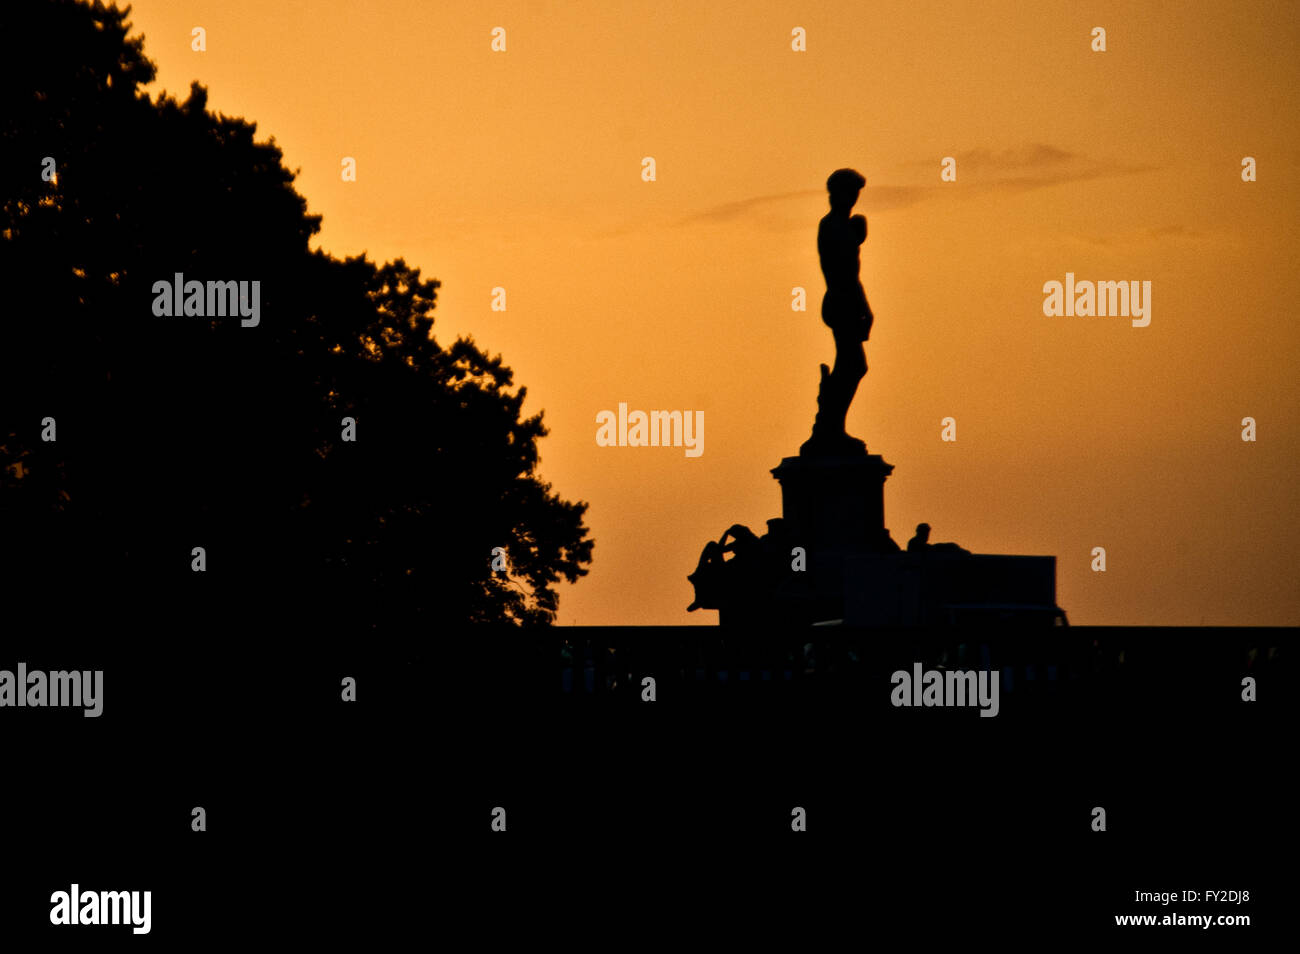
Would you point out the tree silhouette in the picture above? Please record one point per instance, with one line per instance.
(178, 432)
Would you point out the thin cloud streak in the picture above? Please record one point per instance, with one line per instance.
(1034, 166)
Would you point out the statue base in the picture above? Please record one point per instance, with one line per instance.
(836, 500)
(830, 559)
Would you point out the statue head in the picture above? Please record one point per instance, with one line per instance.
(844, 186)
(923, 531)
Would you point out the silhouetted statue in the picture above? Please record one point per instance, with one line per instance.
(746, 581)
(845, 311)
(921, 542)
(715, 578)
(830, 558)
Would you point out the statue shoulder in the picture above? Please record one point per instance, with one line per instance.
(860, 224)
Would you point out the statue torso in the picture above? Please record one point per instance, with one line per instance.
(838, 243)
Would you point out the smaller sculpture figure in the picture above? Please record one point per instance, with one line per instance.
(750, 577)
(921, 540)
(921, 543)
(715, 577)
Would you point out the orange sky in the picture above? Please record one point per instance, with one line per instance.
(523, 169)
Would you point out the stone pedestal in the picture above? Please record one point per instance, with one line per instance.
(836, 502)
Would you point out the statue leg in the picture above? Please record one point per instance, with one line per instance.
(848, 317)
(838, 388)
(850, 368)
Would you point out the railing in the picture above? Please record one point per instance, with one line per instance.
(709, 663)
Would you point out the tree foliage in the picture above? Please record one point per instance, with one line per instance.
(185, 431)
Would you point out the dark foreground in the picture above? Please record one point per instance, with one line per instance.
(374, 818)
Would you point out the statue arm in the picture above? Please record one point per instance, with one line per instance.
(738, 532)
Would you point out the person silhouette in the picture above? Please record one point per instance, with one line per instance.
(921, 540)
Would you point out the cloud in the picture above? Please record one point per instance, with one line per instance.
(1144, 236)
(980, 172)
(1032, 166)
(769, 207)
(1037, 155)
(885, 198)
(743, 207)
